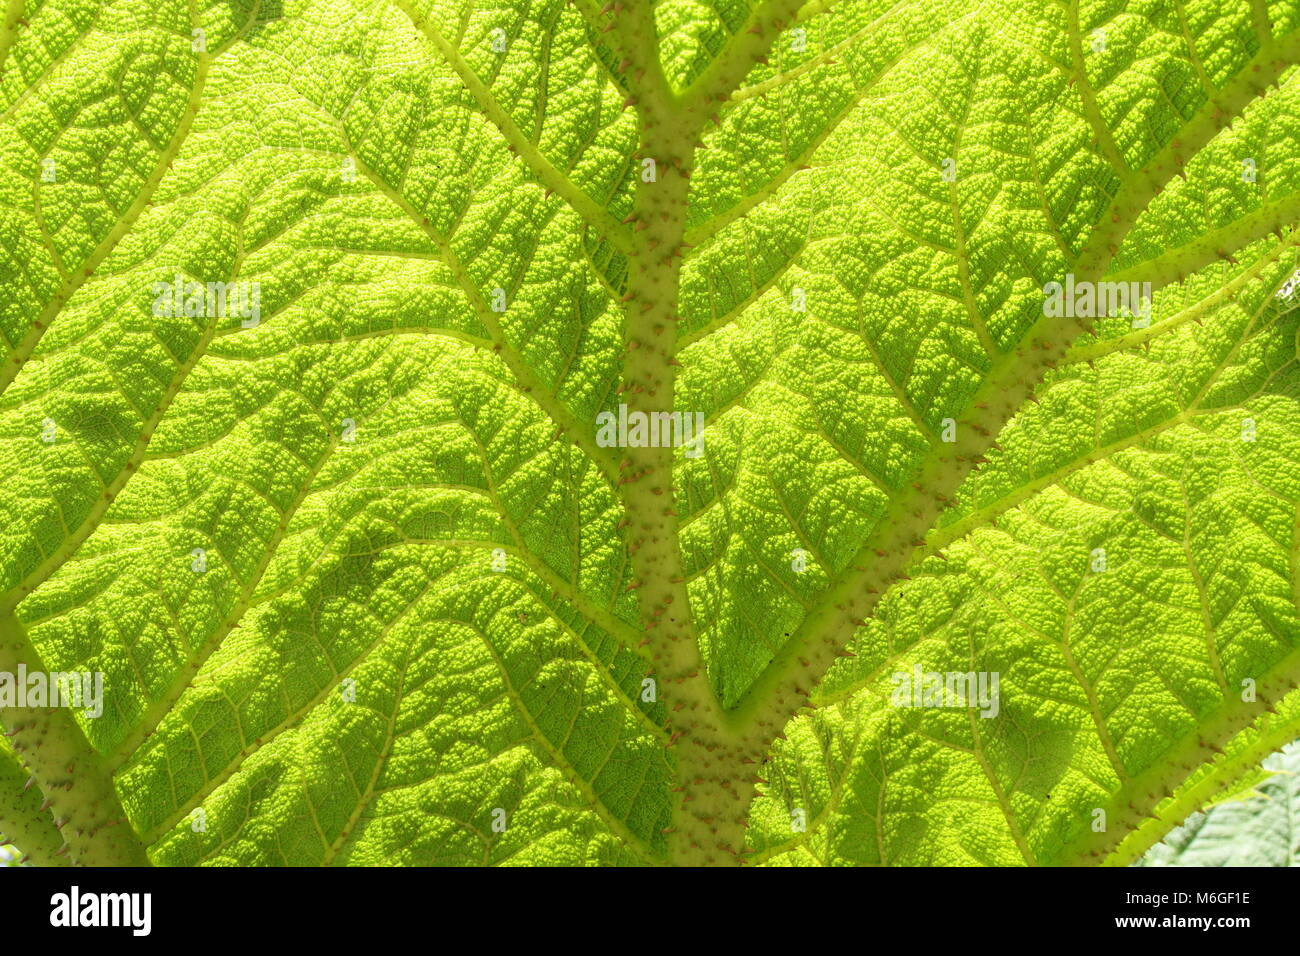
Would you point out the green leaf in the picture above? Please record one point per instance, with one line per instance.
(364, 577)
(1254, 829)
(23, 817)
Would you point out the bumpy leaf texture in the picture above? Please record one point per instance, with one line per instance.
(366, 585)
